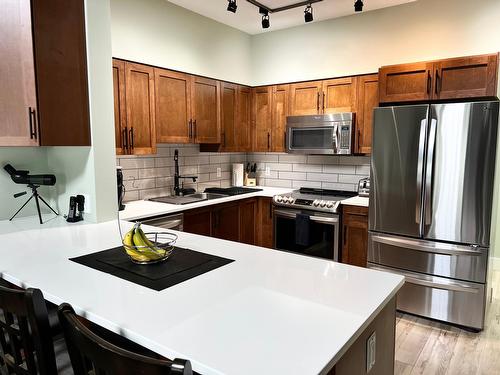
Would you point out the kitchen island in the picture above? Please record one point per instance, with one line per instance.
(268, 312)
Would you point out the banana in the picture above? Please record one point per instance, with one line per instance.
(130, 247)
(142, 246)
(151, 245)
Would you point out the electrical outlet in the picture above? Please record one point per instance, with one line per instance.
(371, 351)
(219, 172)
(268, 171)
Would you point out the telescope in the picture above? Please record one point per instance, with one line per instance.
(33, 182)
(23, 177)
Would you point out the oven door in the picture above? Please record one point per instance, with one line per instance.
(323, 233)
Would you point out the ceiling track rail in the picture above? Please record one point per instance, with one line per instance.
(281, 9)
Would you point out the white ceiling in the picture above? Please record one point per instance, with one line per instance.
(247, 16)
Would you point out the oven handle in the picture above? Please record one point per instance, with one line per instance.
(428, 281)
(293, 214)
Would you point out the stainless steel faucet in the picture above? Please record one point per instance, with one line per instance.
(177, 189)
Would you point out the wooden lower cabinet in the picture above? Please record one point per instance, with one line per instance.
(198, 221)
(226, 221)
(247, 221)
(354, 360)
(265, 223)
(248, 215)
(354, 235)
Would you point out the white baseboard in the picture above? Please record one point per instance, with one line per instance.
(495, 261)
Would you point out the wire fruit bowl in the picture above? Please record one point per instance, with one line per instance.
(153, 247)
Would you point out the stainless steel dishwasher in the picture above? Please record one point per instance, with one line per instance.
(174, 221)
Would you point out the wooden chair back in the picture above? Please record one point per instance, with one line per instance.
(90, 354)
(26, 345)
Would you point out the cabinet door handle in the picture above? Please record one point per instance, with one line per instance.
(437, 82)
(429, 81)
(125, 138)
(190, 129)
(359, 141)
(194, 129)
(324, 102)
(131, 132)
(32, 122)
(317, 102)
(224, 139)
(268, 140)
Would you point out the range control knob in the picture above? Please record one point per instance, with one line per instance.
(322, 203)
(279, 199)
(290, 200)
(316, 203)
(329, 204)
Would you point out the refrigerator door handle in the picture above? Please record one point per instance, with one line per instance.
(444, 249)
(420, 170)
(429, 281)
(429, 170)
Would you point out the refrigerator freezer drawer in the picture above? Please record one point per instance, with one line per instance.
(434, 258)
(440, 298)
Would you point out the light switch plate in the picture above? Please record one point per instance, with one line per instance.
(371, 351)
(268, 171)
(219, 172)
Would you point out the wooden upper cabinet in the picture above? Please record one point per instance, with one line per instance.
(279, 112)
(173, 106)
(121, 132)
(229, 116)
(305, 98)
(406, 82)
(466, 77)
(206, 110)
(140, 96)
(355, 235)
(18, 94)
(262, 100)
(367, 100)
(339, 95)
(243, 124)
(61, 72)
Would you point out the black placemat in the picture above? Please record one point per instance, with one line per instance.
(182, 265)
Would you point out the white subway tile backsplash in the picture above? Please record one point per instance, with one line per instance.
(292, 175)
(337, 168)
(307, 168)
(323, 177)
(152, 175)
(288, 158)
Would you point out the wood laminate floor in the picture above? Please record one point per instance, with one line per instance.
(425, 347)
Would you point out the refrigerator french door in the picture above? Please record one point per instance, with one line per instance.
(432, 177)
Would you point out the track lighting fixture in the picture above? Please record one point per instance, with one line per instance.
(358, 6)
(265, 21)
(231, 6)
(308, 13)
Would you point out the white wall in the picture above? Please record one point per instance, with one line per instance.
(159, 33)
(422, 30)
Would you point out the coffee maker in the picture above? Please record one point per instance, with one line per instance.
(121, 188)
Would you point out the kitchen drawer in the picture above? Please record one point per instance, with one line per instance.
(430, 257)
(440, 298)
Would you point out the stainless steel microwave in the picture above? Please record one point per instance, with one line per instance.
(330, 134)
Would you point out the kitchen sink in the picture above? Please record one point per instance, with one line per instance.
(186, 199)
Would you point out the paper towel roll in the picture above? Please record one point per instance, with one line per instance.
(237, 174)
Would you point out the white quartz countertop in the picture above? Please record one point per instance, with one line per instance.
(269, 312)
(356, 201)
(136, 210)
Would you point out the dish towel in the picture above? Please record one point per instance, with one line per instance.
(302, 224)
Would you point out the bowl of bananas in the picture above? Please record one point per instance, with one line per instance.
(148, 248)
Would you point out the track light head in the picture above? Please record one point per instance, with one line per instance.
(231, 6)
(308, 13)
(265, 21)
(263, 11)
(358, 6)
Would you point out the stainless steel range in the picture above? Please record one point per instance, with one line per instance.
(307, 222)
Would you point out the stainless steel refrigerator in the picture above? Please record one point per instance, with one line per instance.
(432, 173)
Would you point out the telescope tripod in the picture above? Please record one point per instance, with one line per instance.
(38, 198)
